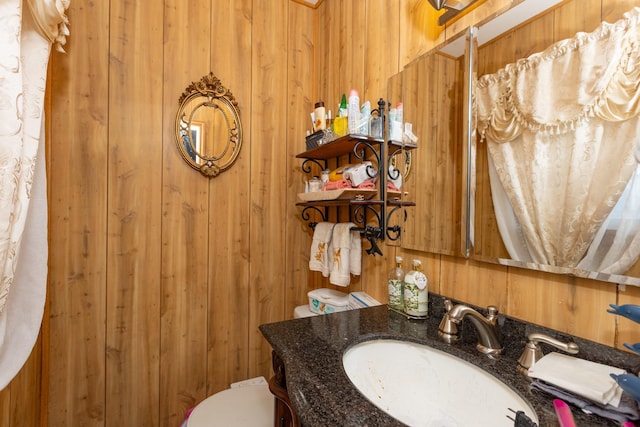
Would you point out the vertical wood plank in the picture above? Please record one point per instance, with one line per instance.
(475, 283)
(78, 221)
(5, 402)
(184, 310)
(572, 17)
(419, 30)
(351, 52)
(571, 305)
(301, 82)
(380, 62)
(613, 10)
(627, 330)
(25, 404)
(134, 220)
(269, 183)
(229, 234)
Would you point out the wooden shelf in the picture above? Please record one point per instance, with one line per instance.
(329, 203)
(337, 147)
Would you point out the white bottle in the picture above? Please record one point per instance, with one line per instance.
(353, 111)
(416, 292)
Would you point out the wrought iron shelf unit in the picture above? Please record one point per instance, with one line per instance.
(372, 217)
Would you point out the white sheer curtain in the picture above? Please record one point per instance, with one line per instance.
(561, 128)
(27, 32)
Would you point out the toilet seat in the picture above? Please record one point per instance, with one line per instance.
(251, 406)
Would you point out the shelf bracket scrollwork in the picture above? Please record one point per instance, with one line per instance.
(306, 215)
(306, 165)
(393, 232)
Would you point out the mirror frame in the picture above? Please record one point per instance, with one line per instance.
(217, 96)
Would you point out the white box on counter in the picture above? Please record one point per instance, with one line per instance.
(324, 301)
(361, 300)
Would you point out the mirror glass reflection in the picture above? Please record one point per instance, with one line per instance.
(555, 155)
(423, 82)
(433, 98)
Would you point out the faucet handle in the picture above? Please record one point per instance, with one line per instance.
(492, 313)
(532, 351)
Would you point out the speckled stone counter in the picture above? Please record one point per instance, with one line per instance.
(322, 394)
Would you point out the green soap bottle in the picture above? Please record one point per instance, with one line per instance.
(396, 286)
(342, 109)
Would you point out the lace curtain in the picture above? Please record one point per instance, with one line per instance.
(561, 128)
(27, 32)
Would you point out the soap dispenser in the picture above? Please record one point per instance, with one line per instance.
(396, 286)
(416, 292)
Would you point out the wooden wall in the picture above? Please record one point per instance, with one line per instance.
(159, 277)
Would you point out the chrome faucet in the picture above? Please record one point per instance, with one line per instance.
(532, 351)
(487, 328)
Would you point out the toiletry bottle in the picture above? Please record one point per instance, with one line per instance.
(416, 292)
(324, 176)
(342, 109)
(329, 120)
(320, 116)
(353, 111)
(315, 184)
(396, 286)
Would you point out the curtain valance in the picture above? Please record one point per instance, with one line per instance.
(590, 75)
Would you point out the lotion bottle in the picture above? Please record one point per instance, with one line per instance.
(353, 112)
(416, 292)
(320, 116)
(396, 286)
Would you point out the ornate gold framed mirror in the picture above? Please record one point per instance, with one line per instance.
(208, 126)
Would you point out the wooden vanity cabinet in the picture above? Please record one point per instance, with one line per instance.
(284, 415)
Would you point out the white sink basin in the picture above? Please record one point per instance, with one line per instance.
(422, 386)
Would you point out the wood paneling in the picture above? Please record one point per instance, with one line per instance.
(303, 28)
(228, 246)
(184, 308)
(160, 277)
(268, 177)
(134, 213)
(78, 170)
(418, 32)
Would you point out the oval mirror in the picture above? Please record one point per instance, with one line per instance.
(208, 126)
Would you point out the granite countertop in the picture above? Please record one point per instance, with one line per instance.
(321, 393)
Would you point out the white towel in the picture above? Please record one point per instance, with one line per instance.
(321, 248)
(582, 377)
(355, 253)
(341, 254)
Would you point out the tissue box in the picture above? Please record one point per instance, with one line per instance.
(324, 301)
(361, 300)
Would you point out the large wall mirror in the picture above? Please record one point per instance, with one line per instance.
(555, 192)
(208, 126)
(496, 49)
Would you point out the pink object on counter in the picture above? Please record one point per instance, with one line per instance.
(565, 417)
